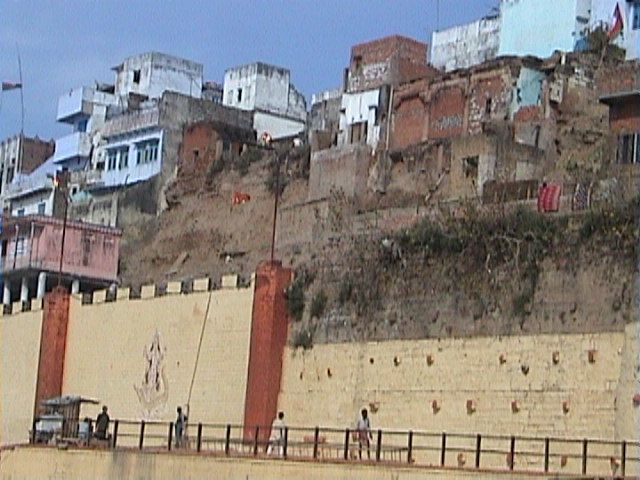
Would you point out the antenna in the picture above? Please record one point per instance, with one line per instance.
(437, 14)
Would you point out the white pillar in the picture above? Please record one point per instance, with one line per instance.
(6, 295)
(24, 290)
(42, 284)
(75, 286)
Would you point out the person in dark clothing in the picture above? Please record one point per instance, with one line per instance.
(102, 424)
(181, 423)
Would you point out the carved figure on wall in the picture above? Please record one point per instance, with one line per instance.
(154, 390)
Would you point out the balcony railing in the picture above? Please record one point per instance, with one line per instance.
(78, 144)
(498, 453)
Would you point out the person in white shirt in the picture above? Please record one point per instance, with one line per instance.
(277, 435)
(363, 428)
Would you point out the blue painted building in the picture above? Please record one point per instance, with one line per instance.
(540, 27)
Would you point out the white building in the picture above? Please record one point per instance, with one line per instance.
(266, 90)
(116, 139)
(362, 116)
(151, 74)
(464, 46)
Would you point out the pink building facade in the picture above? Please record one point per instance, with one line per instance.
(32, 250)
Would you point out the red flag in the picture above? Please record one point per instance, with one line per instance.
(617, 23)
(549, 197)
(10, 86)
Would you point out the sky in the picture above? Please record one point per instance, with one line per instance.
(65, 44)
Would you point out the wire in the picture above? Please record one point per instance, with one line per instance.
(195, 367)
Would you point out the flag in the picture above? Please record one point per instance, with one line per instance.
(10, 86)
(617, 23)
(549, 197)
(581, 196)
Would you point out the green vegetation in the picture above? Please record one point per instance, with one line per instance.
(303, 338)
(294, 296)
(318, 304)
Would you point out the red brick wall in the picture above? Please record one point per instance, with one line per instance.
(34, 153)
(201, 137)
(55, 317)
(384, 48)
(625, 116)
(409, 122)
(268, 338)
(447, 111)
(621, 78)
(494, 87)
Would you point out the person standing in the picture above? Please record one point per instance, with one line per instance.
(181, 422)
(363, 427)
(102, 424)
(277, 435)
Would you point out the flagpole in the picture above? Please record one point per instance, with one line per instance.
(19, 166)
(21, 94)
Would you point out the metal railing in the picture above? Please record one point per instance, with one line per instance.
(568, 456)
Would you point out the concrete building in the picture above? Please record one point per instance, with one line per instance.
(31, 256)
(139, 156)
(539, 27)
(324, 119)
(151, 74)
(20, 155)
(464, 46)
(363, 117)
(266, 90)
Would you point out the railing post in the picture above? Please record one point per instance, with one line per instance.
(199, 438)
(170, 436)
(141, 442)
(584, 456)
(478, 448)
(623, 459)
(546, 455)
(316, 437)
(286, 442)
(443, 449)
(255, 441)
(33, 431)
(512, 453)
(227, 440)
(378, 445)
(410, 447)
(346, 444)
(115, 433)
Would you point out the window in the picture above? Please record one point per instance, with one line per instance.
(10, 174)
(629, 148)
(136, 76)
(19, 246)
(147, 152)
(487, 106)
(123, 157)
(112, 158)
(239, 95)
(470, 167)
(230, 96)
(636, 16)
(41, 208)
(20, 212)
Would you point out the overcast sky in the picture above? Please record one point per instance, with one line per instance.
(68, 43)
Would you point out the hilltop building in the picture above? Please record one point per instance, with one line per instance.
(266, 91)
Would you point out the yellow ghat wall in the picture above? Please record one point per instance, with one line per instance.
(30, 463)
(20, 340)
(399, 380)
(114, 355)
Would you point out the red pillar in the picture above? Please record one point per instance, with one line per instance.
(53, 339)
(268, 339)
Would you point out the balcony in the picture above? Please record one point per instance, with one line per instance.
(75, 104)
(78, 144)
